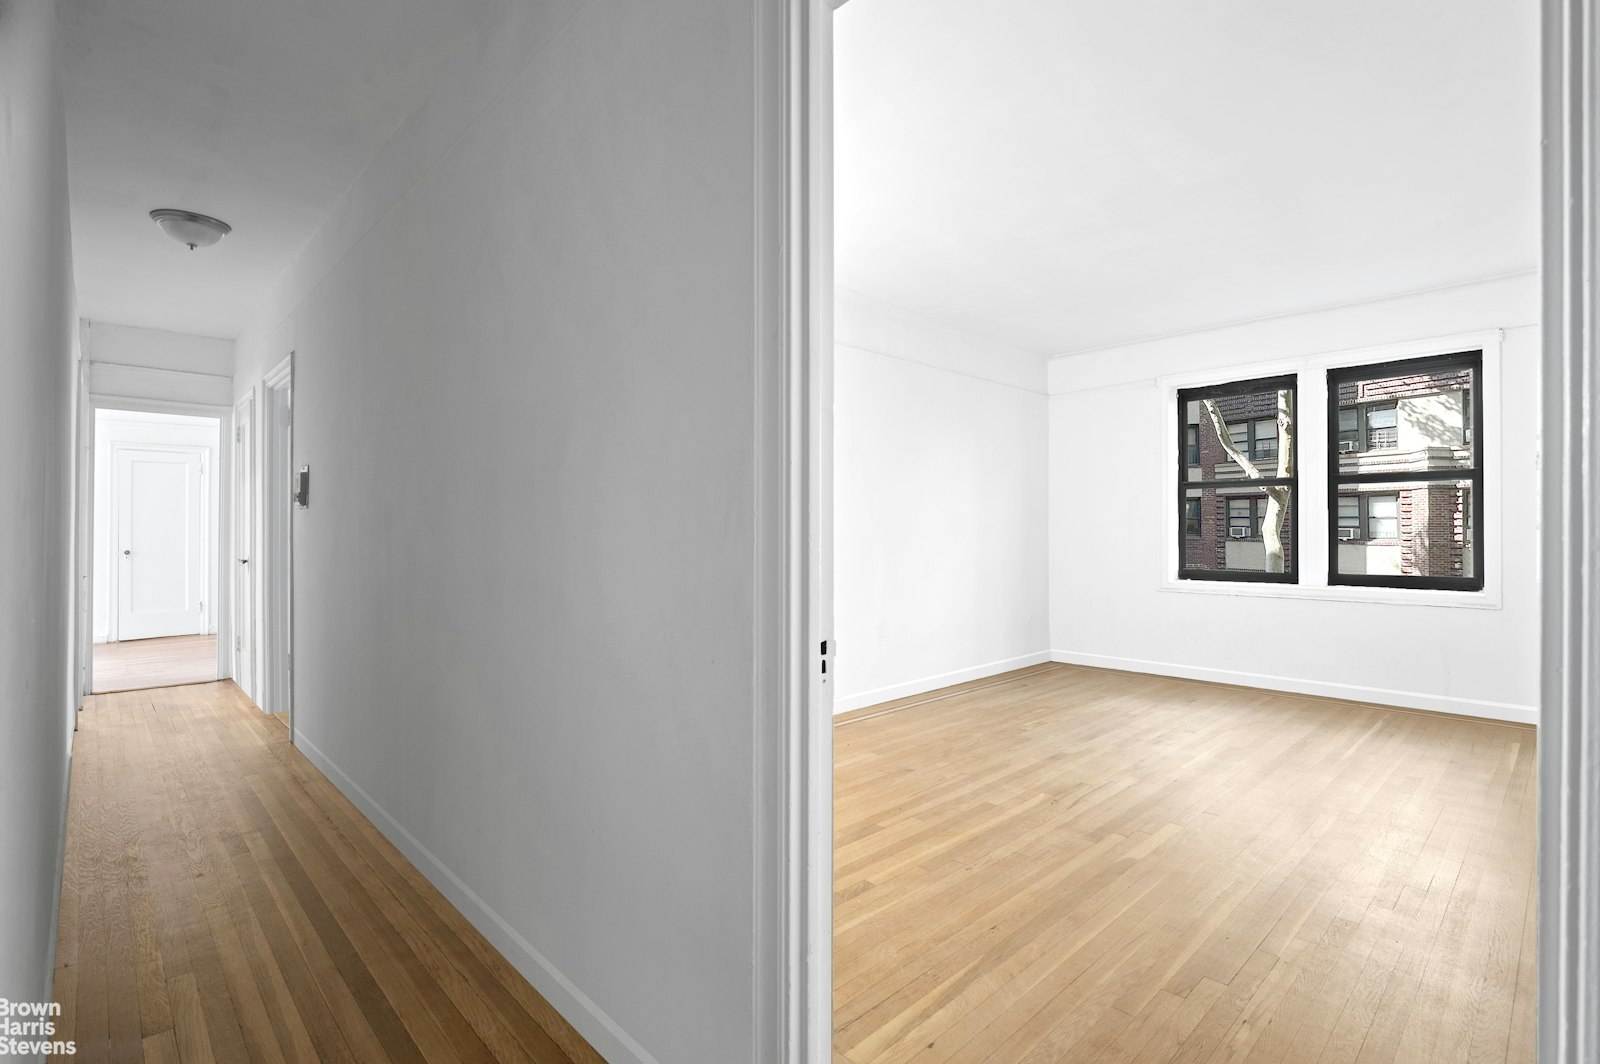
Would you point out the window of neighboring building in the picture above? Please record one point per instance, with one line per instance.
(1405, 469)
(1241, 519)
(1247, 517)
(1256, 439)
(1383, 426)
(1368, 427)
(1383, 516)
(1368, 516)
(1237, 457)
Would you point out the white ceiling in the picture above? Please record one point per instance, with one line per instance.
(1069, 175)
(260, 113)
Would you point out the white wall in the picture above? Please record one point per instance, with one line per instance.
(1107, 443)
(114, 427)
(37, 352)
(525, 607)
(940, 547)
(152, 364)
(129, 345)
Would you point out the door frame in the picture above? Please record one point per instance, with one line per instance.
(207, 549)
(795, 442)
(242, 500)
(275, 592)
(1568, 1027)
(1568, 1022)
(84, 532)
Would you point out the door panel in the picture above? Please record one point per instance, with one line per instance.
(244, 561)
(160, 542)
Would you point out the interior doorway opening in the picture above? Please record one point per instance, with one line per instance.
(156, 537)
(274, 685)
(1002, 388)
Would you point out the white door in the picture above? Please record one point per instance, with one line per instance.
(158, 496)
(244, 562)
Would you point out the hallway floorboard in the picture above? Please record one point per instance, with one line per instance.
(222, 902)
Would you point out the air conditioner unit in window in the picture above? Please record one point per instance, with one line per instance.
(1347, 446)
(1239, 533)
(1349, 533)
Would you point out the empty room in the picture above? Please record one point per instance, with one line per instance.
(1184, 456)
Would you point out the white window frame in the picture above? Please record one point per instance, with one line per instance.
(1311, 442)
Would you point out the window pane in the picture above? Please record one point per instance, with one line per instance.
(1266, 444)
(1233, 522)
(1349, 525)
(1382, 417)
(1250, 423)
(1402, 423)
(1417, 529)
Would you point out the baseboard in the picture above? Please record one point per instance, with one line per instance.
(61, 875)
(600, 1030)
(1467, 707)
(932, 683)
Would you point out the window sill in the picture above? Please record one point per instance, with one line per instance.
(1388, 596)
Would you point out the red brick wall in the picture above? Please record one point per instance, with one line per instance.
(1432, 530)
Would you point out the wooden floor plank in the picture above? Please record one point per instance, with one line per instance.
(142, 664)
(1079, 864)
(223, 902)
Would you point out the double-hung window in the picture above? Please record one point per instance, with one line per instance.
(1237, 481)
(1405, 473)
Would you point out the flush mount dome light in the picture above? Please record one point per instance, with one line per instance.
(187, 227)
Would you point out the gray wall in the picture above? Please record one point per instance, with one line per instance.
(37, 337)
(524, 594)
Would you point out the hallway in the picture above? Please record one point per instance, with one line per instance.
(223, 902)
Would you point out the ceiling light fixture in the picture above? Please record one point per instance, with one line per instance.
(187, 227)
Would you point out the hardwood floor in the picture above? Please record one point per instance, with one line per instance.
(1073, 864)
(223, 903)
(141, 663)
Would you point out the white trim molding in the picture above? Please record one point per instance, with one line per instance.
(1569, 742)
(934, 683)
(148, 383)
(1294, 685)
(794, 439)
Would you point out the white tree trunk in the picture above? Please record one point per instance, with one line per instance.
(1277, 495)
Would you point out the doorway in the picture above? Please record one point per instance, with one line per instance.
(276, 681)
(155, 544)
(899, 1020)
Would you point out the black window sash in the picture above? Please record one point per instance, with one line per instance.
(1286, 383)
(1472, 474)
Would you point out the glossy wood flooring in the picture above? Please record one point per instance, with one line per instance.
(224, 903)
(141, 663)
(1077, 865)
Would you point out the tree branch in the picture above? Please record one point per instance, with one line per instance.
(1220, 427)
